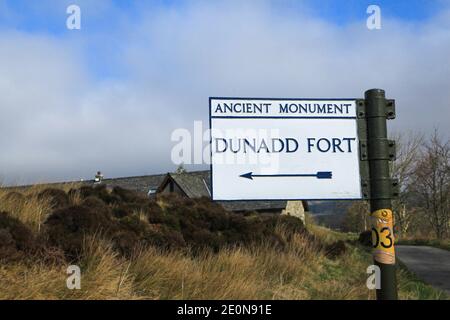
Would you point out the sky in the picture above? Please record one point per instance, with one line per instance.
(108, 96)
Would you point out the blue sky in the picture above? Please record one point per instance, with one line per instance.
(45, 16)
(110, 95)
(340, 11)
(106, 17)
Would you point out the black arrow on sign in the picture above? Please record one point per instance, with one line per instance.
(318, 175)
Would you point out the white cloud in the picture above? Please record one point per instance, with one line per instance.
(61, 122)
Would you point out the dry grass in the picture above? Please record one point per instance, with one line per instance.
(234, 273)
(300, 271)
(103, 277)
(30, 209)
(259, 272)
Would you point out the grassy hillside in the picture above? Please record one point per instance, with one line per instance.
(329, 213)
(130, 247)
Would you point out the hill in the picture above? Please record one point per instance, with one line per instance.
(131, 247)
(329, 213)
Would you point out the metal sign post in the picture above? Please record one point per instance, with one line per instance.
(380, 151)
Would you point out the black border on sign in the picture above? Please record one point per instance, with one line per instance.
(281, 99)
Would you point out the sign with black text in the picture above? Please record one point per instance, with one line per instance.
(284, 149)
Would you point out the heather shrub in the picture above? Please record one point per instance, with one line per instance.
(95, 203)
(126, 195)
(120, 212)
(155, 214)
(132, 231)
(130, 220)
(57, 197)
(15, 238)
(205, 223)
(84, 191)
(165, 237)
(133, 224)
(99, 191)
(67, 227)
(125, 241)
(200, 239)
(291, 224)
(365, 238)
(335, 250)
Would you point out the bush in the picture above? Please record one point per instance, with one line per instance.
(99, 191)
(97, 205)
(16, 238)
(94, 202)
(365, 238)
(120, 212)
(132, 232)
(203, 222)
(291, 224)
(66, 228)
(126, 195)
(125, 242)
(171, 239)
(58, 198)
(335, 249)
(130, 220)
(155, 214)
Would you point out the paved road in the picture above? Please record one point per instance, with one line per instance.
(431, 265)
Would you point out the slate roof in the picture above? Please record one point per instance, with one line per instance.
(197, 184)
(138, 183)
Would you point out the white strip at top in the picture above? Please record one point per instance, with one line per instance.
(282, 108)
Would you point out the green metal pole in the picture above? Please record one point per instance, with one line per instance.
(380, 192)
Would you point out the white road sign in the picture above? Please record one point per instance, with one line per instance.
(284, 149)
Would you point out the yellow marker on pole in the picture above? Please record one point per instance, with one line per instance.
(383, 236)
